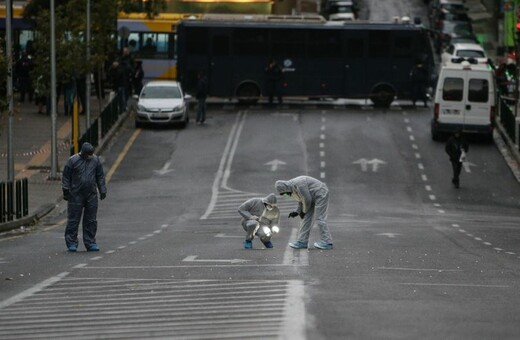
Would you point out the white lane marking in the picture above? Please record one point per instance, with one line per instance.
(407, 121)
(323, 128)
(322, 164)
(510, 253)
(454, 285)
(409, 129)
(322, 153)
(417, 155)
(81, 265)
(322, 145)
(295, 323)
(142, 238)
(322, 136)
(33, 290)
(455, 225)
(193, 258)
(132, 242)
(436, 205)
(96, 258)
(486, 243)
(440, 270)
(470, 235)
(441, 211)
(478, 239)
(420, 166)
(415, 147)
(227, 236)
(239, 121)
(149, 235)
(462, 231)
(121, 247)
(432, 197)
(412, 138)
(498, 249)
(157, 232)
(164, 226)
(424, 177)
(294, 256)
(110, 252)
(428, 188)
(322, 175)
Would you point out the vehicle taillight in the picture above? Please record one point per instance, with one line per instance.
(436, 108)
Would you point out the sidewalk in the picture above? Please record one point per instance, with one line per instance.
(31, 138)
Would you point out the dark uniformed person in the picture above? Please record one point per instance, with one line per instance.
(83, 177)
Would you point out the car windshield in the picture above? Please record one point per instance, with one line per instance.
(343, 9)
(161, 92)
(470, 54)
(459, 28)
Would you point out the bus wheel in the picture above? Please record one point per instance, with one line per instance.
(248, 93)
(382, 96)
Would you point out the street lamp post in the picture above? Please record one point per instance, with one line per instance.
(54, 156)
(9, 55)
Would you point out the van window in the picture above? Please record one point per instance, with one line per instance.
(452, 89)
(478, 90)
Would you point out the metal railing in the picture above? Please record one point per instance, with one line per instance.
(14, 199)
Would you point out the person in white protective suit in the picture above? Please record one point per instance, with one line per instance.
(312, 196)
(260, 217)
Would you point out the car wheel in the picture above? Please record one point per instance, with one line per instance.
(138, 125)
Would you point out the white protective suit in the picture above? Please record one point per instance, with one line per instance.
(255, 216)
(312, 196)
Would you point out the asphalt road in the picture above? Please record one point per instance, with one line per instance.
(413, 257)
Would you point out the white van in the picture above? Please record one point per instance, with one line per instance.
(465, 98)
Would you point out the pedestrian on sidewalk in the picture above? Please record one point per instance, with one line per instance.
(202, 94)
(312, 196)
(260, 217)
(83, 177)
(456, 148)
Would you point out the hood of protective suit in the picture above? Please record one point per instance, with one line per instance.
(87, 149)
(269, 199)
(282, 186)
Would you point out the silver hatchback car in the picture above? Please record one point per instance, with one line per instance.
(162, 102)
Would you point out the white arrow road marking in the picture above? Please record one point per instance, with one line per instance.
(467, 166)
(365, 162)
(389, 235)
(165, 169)
(275, 163)
(193, 258)
(227, 236)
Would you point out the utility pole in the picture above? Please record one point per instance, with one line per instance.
(54, 144)
(9, 55)
(87, 104)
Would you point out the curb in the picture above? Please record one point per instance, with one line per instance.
(508, 149)
(45, 209)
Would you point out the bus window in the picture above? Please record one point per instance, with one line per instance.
(196, 41)
(250, 42)
(288, 43)
(452, 89)
(324, 44)
(220, 45)
(355, 48)
(379, 44)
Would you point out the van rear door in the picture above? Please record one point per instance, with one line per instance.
(479, 99)
(453, 98)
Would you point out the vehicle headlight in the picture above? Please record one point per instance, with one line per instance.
(141, 108)
(178, 108)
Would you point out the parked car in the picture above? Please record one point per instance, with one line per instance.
(342, 10)
(465, 51)
(450, 30)
(445, 15)
(162, 103)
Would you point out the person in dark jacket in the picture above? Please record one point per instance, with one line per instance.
(119, 79)
(202, 94)
(419, 80)
(138, 77)
(274, 75)
(83, 177)
(456, 148)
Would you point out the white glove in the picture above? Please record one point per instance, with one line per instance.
(275, 230)
(462, 158)
(254, 217)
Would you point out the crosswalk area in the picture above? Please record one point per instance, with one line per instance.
(119, 308)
